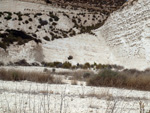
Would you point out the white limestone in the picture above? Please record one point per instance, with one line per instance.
(123, 39)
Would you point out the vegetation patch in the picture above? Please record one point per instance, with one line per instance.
(53, 16)
(22, 63)
(1, 63)
(15, 75)
(38, 14)
(12, 36)
(66, 65)
(43, 22)
(8, 16)
(130, 79)
(46, 38)
(19, 16)
(1, 13)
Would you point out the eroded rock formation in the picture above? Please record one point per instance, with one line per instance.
(127, 33)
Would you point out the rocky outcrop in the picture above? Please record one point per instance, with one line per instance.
(124, 38)
(127, 34)
(45, 24)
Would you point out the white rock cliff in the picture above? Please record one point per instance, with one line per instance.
(124, 39)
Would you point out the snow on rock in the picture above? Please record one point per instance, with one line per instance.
(50, 98)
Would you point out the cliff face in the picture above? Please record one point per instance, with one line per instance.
(127, 34)
(24, 22)
(124, 39)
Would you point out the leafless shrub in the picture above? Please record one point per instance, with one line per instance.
(81, 75)
(74, 82)
(100, 95)
(58, 80)
(15, 75)
(130, 79)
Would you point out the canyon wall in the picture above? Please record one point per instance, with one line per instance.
(127, 34)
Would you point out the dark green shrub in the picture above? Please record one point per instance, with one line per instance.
(70, 57)
(39, 26)
(43, 22)
(19, 16)
(22, 63)
(35, 64)
(1, 63)
(27, 14)
(37, 14)
(58, 64)
(50, 19)
(53, 16)
(15, 36)
(8, 17)
(54, 24)
(48, 1)
(99, 66)
(46, 38)
(30, 19)
(1, 13)
(26, 21)
(67, 65)
(86, 66)
(3, 45)
(56, 18)
(30, 27)
(34, 35)
(53, 70)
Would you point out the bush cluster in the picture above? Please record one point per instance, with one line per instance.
(43, 22)
(46, 38)
(130, 79)
(15, 36)
(8, 17)
(22, 63)
(1, 63)
(66, 65)
(81, 66)
(53, 16)
(19, 16)
(15, 75)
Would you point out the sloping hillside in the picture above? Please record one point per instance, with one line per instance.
(54, 31)
(29, 28)
(126, 32)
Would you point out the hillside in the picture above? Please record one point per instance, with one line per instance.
(38, 31)
(29, 29)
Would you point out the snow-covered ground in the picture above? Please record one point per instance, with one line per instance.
(28, 97)
(31, 97)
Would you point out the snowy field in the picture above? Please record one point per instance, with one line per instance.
(27, 97)
(31, 97)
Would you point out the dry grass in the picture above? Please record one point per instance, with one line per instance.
(58, 80)
(130, 79)
(78, 75)
(103, 94)
(81, 75)
(74, 82)
(15, 75)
